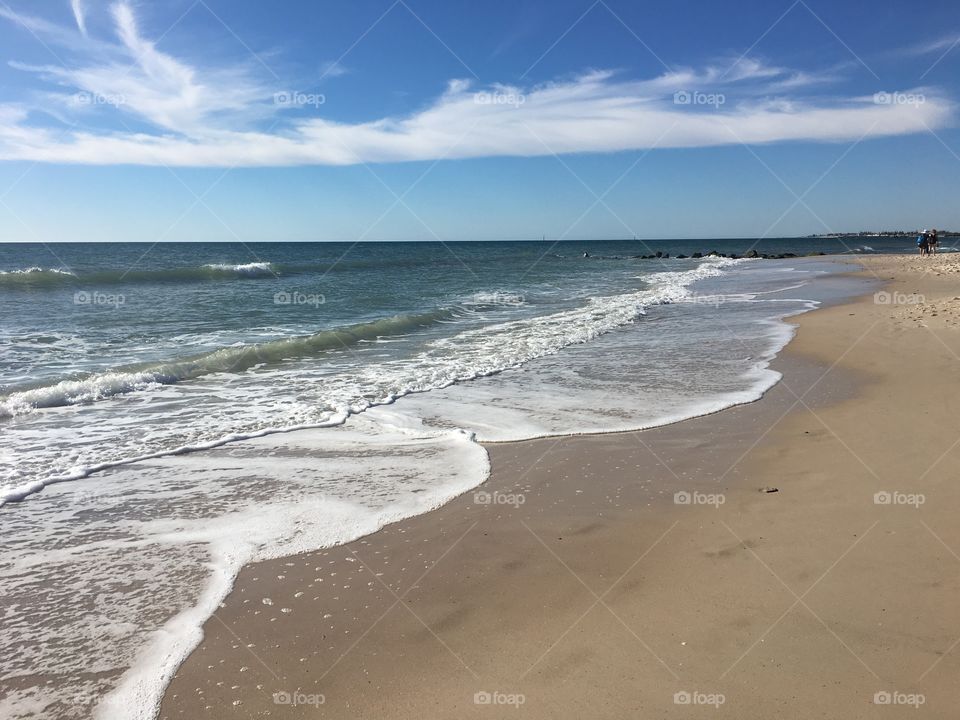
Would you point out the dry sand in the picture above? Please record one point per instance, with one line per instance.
(586, 591)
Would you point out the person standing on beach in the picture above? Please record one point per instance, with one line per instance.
(934, 241)
(923, 242)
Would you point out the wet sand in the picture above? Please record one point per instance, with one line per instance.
(577, 582)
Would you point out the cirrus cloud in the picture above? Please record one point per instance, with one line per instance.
(168, 111)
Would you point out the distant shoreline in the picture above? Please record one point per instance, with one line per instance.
(890, 234)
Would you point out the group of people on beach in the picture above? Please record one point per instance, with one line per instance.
(927, 242)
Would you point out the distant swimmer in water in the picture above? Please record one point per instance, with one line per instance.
(586, 254)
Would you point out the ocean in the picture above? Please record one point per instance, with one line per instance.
(171, 412)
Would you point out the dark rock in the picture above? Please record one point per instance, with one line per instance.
(752, 254)
(659, 254)
(681, 257)
(697, 256)
(713, 253)
(666, 255)
(734, 256)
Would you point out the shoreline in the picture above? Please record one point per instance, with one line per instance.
(138, 686)
(175, 704)
(179, 543)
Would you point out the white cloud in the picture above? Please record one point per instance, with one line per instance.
(941, 44)
(77, 7)
(332, 69)
(185, 115)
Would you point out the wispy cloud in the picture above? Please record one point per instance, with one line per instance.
(77, 7)
(332, 69)
(188, 115)
(938, 45)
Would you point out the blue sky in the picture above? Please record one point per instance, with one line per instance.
(218, 120)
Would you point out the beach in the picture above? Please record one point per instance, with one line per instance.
(618, 487)
(808, 568)
(291, 406)
(530, 360)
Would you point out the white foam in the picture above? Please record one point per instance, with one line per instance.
(614, 384)
(73, 392)
(286, 528)
(254, 269)
(35, 270)
(19, 492)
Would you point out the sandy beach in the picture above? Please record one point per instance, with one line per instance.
(795, 557)
(411, 359)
